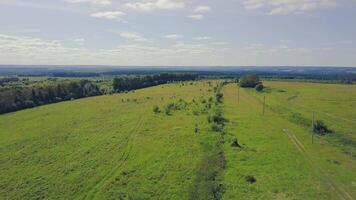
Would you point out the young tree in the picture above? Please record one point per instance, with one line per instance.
(259, 87)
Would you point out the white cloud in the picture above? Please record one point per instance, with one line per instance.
(18, 49)
(29, 50)
(285, 7)
(131, 36)
(202, 38)
(79, 40)
(113, 15)
(192, 48)
(201, 9)
(149, 5)
(196, 17)
(102, 2)
(174, 36)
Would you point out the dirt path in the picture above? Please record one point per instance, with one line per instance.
(339, 190)
(93, 193)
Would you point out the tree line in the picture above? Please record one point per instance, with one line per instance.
(8, 79)
(13, 99)
(128, 83)
(18, 98)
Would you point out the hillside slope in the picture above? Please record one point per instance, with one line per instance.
(117, 147)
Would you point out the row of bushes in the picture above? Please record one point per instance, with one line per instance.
(169, 108)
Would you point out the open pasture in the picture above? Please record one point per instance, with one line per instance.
(162, 142)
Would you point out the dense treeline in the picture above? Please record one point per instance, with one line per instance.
(136, 82)
(13, 99)
(17, 98)
(8, 79)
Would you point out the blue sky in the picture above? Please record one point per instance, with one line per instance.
(178, 32)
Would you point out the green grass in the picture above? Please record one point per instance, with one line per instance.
(116, 147)
(281, 169)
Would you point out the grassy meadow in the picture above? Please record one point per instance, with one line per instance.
(178, 141)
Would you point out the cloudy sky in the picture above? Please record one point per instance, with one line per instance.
(178, 32)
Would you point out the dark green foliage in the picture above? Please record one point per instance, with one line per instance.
(259, 87)
(218, 119)
(250, 179)
(207, 183)
(196, 129)
(8, 79)
(235, 143)
(128, 83)
(216, 127)
(321, 129)
(249, 80)
(156, 109)
(13, 99)
(219, 97)
(180, 105)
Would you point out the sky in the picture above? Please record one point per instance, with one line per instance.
(178, 32)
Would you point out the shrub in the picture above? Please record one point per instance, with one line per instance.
(156, 109)
(168, 109)
(250, 179)
(259, 87)
(320, 128)
(235, 143)
(216, 127)
(219, 97)
(218, 119)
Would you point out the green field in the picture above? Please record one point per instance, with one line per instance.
(117, 147)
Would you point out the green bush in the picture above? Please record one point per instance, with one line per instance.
(259, 87)
(156, 109)
(250, 179)
(219, 97)
(321, 129)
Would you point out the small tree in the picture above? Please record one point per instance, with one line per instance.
(259, 87)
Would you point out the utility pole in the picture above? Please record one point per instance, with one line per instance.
(264, 104)
(313, 129)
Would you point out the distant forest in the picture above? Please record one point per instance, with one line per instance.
(131, 83)
(333, 74)
(72, 83)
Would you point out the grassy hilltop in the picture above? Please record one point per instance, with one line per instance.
(194, 140)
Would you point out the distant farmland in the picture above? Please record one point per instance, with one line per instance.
(185, 140)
